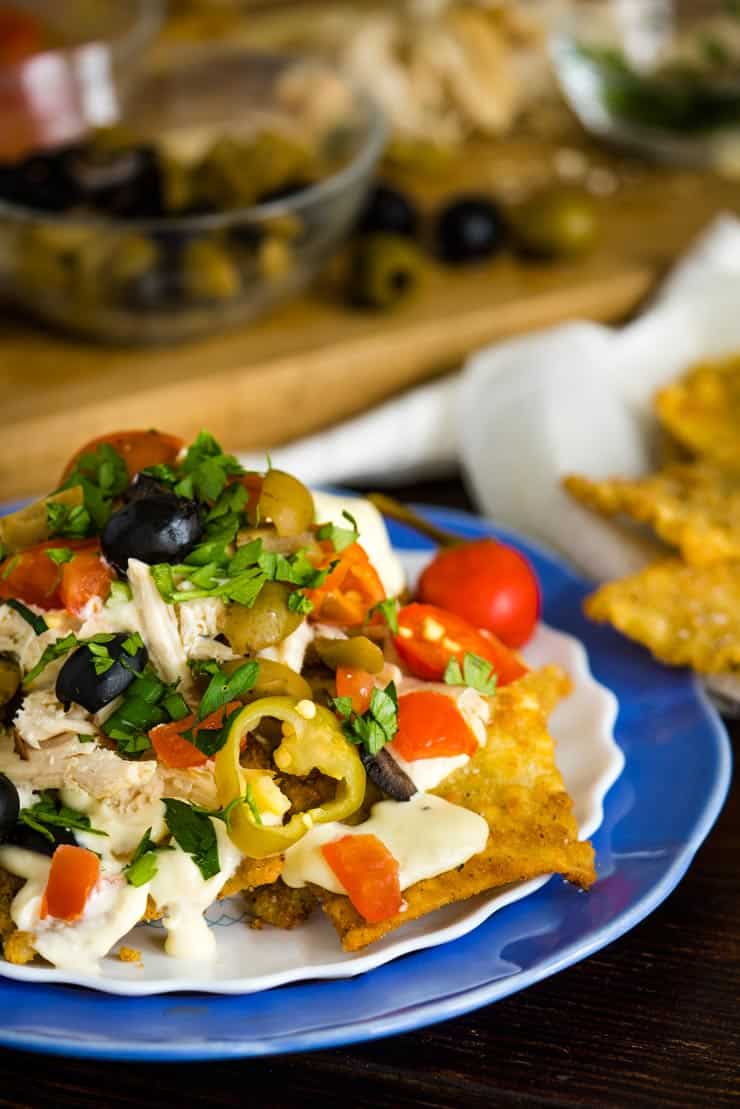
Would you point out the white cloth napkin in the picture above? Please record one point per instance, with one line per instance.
(521, 414)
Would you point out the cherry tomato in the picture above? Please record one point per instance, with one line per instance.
(431, 726)
(178, 753)
(428, 637)
(350, 590)
(36, 579)
(73, 875)
(138, 449)
(368, 872)
(489, 584)
(356, 684)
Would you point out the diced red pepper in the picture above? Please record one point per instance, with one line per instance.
(369, 873)
(356, 684)
(349, 591)
(36, 579)
(178, 753)
(74, 873)
(138, 449)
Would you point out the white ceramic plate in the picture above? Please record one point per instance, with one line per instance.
(248, 961)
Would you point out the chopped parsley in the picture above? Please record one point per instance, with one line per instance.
(374, 728)
(339, 537)
(67, 521)
(102, 473)
(59, 555)
(205, 470)
(194, 833)
(476, 672)
(54, 651)
(120, 594)
(146, 703)
(101, 657)
(144, 866)
(224, 687)
(38, 623)
(50, 812)
(389, 610)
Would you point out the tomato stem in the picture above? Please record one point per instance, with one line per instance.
(405, 515)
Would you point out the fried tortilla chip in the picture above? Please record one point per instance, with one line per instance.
(514, 783)
(702, 410)
(280, 906)
(694, 506)
(686, 615)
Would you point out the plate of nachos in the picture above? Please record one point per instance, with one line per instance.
(243, 751)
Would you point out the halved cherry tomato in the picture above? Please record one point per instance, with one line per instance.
(138, 449)
(489, 584)
(350, 590)
(368, 872)
(358, 685)
(74, 872)
(428, 637)
(431, 726)
(34, 578)
(178, 753)
(21, 35)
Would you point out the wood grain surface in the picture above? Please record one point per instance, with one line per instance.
(651, 1020)
(314, 362)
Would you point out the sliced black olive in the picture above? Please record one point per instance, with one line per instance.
(43, 182)
(389, 210)
(142, 486)
(10, 807)
(469, 229)
(384, 771)
(161, 528)
(31, 840)
(126, 183)
(81, 682)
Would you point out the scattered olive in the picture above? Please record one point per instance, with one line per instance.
(208, 271)
(32, 840)
(384, 771)
(10, 679)
(10, 807)
(389, 210)
(78, 681)
(469, 229)
(43, 182)
(559, 222)
(384, 270)
(160, 528)
(358, 653)
(287, 502)
(142, 486)
(264, 624)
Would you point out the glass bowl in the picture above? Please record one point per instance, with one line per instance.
(660, 76)
(166, 279)
(91, 54)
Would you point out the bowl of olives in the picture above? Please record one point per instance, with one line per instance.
(227, 183)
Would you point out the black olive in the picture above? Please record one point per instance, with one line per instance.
(469, 229)
(23, 836)
(78, 680)
(141, 486)
(384, 771)
(42, 182)
(389, 210)
(162, 528)
(10, 807)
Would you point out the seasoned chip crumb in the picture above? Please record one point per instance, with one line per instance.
(280, 906)
(19, 948)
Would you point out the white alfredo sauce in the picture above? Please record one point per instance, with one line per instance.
(426, 835)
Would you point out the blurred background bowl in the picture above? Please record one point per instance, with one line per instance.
(153, 278)
(660, 76)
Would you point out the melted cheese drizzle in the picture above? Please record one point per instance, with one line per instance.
(426, 835)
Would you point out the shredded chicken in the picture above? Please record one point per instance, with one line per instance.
(200, 623)
(158, 623)
(42, 717)
(292, 650)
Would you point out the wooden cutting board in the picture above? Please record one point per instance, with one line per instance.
(314, 362)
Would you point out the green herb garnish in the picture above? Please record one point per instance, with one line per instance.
(50, 812)
(389, 610)
(339, 537)
(144, 866)
(54, 651)
(195, 834)
(374, 728)
(476, 672)
(38, 623)
(68, 522)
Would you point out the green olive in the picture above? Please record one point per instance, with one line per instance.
(286, 502)
(358, 653)
(10, 679)
(384, 269)
(275, 679)
(208, 271)
(267, 622)
(30, 525)
(132, 256)
(559, 222)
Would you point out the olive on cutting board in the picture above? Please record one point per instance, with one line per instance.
(557, 222)
(469, 229)
(384, 269)
(100, 670)
(390, 210)
(159, 528)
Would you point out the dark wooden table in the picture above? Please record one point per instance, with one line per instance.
(651, 1020)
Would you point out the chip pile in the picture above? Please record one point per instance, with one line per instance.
(685, 609)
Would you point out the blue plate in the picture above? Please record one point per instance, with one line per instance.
(656, 816)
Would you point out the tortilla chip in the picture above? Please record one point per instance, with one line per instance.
(514, 783)
(686, 615)
(694, 506)
(702, 410)
(253, 873)
(548, 685)
(280, 906)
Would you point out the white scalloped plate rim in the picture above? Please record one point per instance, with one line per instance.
(590, 761)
